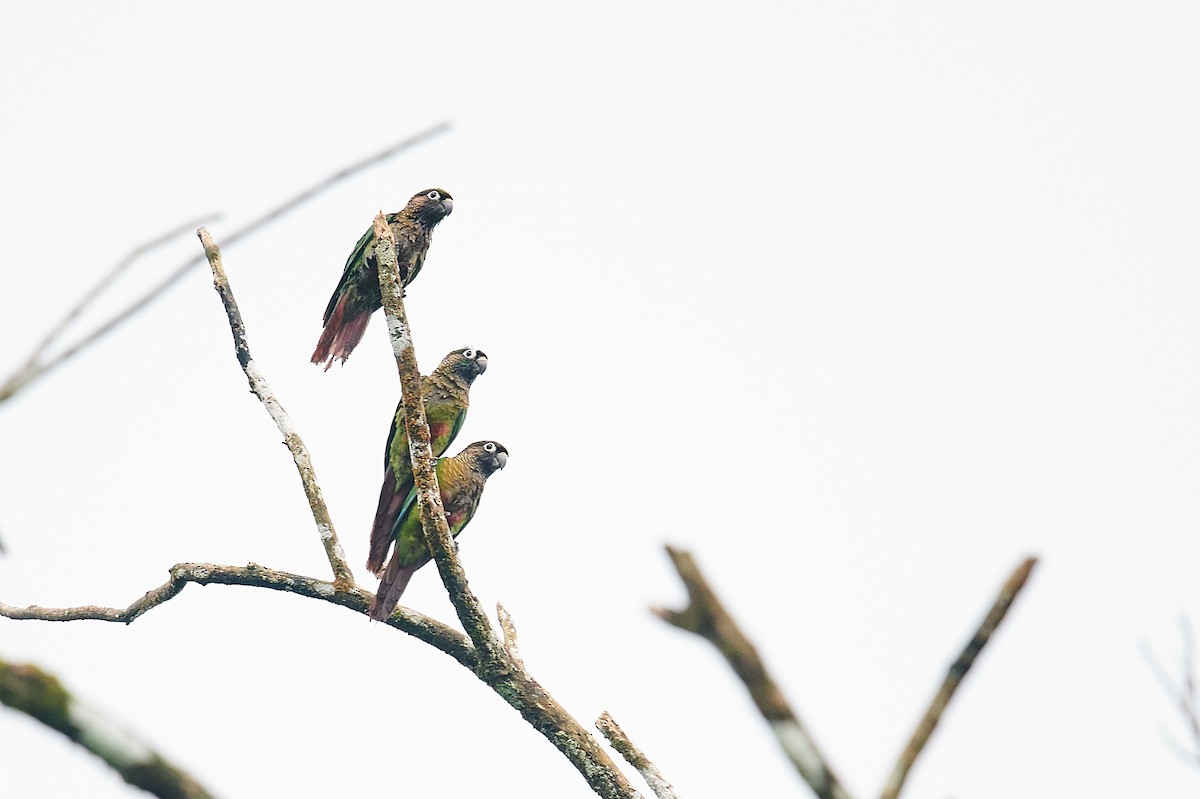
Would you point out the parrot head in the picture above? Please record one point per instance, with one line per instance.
(430, 206)
(467, 362)
(489, 456)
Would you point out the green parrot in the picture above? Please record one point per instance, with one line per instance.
(357, 294)
(445, 393)
(461, 480)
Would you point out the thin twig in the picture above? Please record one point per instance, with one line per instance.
(86, 340)
(432, 632)
(40, 695)
(635, 757)
(706, 616)
(958, 670)
(1183, 693)
(343, 578)
(506, 677)
(31, 367)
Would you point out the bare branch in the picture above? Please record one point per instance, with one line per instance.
(706, 616)
(635, 757)
(504, 676)
(421, 627)
(32, 691)
(958, 670)
(27, 374)
(258, 385)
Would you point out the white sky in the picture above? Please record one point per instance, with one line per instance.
(860, 302)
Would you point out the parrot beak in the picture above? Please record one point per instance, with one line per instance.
(481, 362)
(500, 458)
(447, 205)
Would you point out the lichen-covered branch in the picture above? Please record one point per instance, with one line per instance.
(958, 670)
(635, 757)
(343, 578)
(502, 674)
(40, 695)
(511, 645)
(429, 499)
(706, 616)
(38, 368)
(431, 631)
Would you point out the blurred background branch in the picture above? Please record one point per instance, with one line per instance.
(1182, 691)
(36, 366)
(42, 697)
(706, 616)
(954, 677)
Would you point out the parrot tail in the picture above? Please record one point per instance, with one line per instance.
(341, 334)
(395, 580)
(391, 500)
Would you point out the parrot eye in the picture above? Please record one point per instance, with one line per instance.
(489, 447)
(469, 354)
(433, 195)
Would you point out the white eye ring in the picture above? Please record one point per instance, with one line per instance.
(469, 354)
(489, 447)
(433, 195)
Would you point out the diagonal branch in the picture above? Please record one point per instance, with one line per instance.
(40, 695)
(25, 376)
(32, 366)
(258, 385)
(429, 499)
(503, 674)
(635, 757)
(958, 670)
(706, 616)
(421, 627)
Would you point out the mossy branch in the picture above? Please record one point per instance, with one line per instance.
(41, 696)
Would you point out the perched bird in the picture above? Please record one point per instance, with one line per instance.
(357, 294)
(445, 393)
(461, 480)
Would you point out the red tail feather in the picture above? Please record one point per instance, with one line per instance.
(341, 334)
